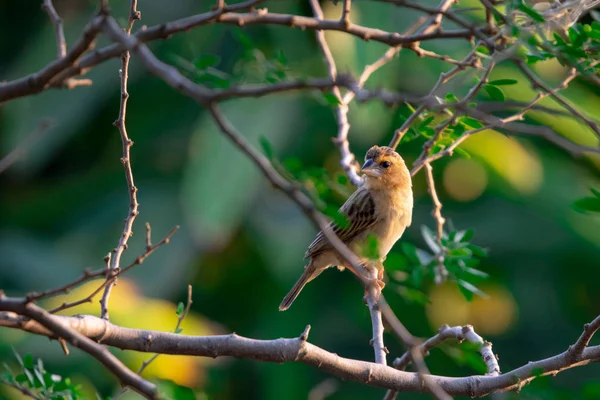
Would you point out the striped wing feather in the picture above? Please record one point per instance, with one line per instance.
(360, 210)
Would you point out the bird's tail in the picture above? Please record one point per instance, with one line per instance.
(289, 298)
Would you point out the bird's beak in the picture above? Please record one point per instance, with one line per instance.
(370, 168)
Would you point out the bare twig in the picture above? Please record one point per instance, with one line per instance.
(576, 351)
(347, 161)
(134, 15)
(43, 79)
(459, 333)
(61, 44)
(107, 272)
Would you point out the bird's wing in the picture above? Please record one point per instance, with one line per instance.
(360, 211)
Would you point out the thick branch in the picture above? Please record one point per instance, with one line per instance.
(60, 327)
(297, 350)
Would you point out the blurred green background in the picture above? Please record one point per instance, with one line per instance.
(241, 243)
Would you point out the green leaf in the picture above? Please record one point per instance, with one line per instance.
(205, 61)
(504, 82)
(471, 122)
(178, 330)
(466, 287)
(495, 92)
(413, 295)
(243, 38)
(590, 204)
(462, 152)
(292, 164)
(338, 217)
(451, 98)
(371, 250)
(180, 308)
(460, 252)
(595, 192)
(410, 252)
(537, 17)
(331, 99)
(464, 236)
(425, 123)
(396, 262)
(28, 361)
(483, 50)
(477, 251)
(266, 146)
(430, 238)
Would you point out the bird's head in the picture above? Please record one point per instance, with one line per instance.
(385, 167)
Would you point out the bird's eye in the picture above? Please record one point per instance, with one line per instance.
(386, 164)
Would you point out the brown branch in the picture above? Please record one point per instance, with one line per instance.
(228, 16)
(459, 333)
(115, 260)
(61, 44)
(295, 350)
(107, 272)
(43, 79)
(59, 327)
(575, 351)
(348, 160)
(553, 93)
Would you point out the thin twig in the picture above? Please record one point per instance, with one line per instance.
(107, 272)
(61, 43)
(134, 15)
(348, 160)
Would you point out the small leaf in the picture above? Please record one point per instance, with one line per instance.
(460, 252)
(495, 92)
(338, 218)
(331, 99)
(462, 153)
(410, 252)
(504, 82)
(483, 50)
(413, 295)
(267, 148)
(179, 309)
(471, 288)
(471, 122)
(28, 361)
(178, 330)
(595, 192)
(591, 204)
(396, 262)
(430, 239)
(205, 61)
(477, 251)
(531, 12)
(464, 236)
(243, 38)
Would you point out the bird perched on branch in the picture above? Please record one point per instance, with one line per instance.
(380, 210)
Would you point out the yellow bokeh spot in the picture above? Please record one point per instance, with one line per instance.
(490, 316)
(519, 166)
(464, 180)
(128, 308)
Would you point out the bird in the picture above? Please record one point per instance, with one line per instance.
(381, 207)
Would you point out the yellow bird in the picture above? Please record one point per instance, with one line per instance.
(381, 207)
